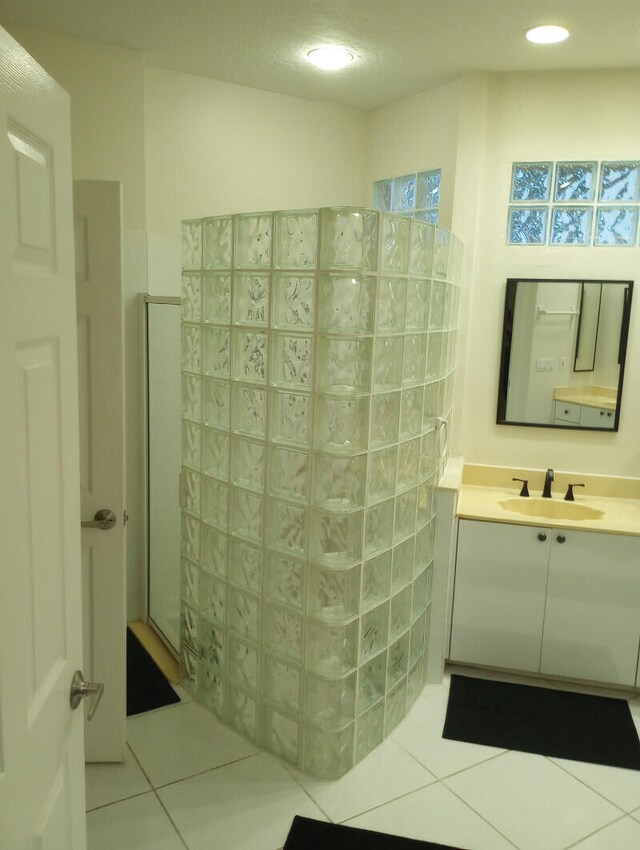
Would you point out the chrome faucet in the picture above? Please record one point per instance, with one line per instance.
(546, 492)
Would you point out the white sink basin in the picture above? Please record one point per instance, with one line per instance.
(551, 509)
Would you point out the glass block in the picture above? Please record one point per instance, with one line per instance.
(245, 566)
(376, 578)
(404, 193)
(211, 690)
(344, 365)
(287, 526)
(382, 474)
(531, 181)
(329, 703)
(332, 650)
(620, 181)
(405, 520)
(214, 503)
(426, 499)
(336, 539)
(296, 245)
(288, 473)
(280, 735)
(342, 424)
(213, 593)
(415, 352)
(418, 304)
(216, 298)
(382, 194)
(372, 681)
(428, 189)
(418, 637)
(215, 403)
(191, 347)
(398, 660)
(403, 563)
(189, 582)
(191, 297)
(575, 181)
(243, 614)
(215, 453)
(212, 645)
(190, 491)
(385, 418)
(190, 537)
(400, 616)
(431, 405)
(411, 412)
(408, 462)
(215, 352)
(434, 357)
(214, 551)
(333, 595)
(415, 682)
(191, 445)
(395, 706)
(436, 316)
(250, 298)
(285, 580)
(282, 632)
(249, 410)
(616, 225)
(192, 244)
(420, 589)
(346, 303)
(442, 253)
(430, 216)
(189, 624)
(217, 235)
(527, 225)
(246, 515)
(339, 482)
(392, 299)
(396, 231)
(247, 464)
(429, 453)
(290, 418)
(280, 684)
(349, 238)
(188, 669)
(370, 729)
(379, 527)
(387, 370)
(243, 664)
(425, 545)
(421, 248)
(242, 712)
(253, 241)
(291, 361)
(571, 225)
(191, 397)
(293, 301)
(250, 356)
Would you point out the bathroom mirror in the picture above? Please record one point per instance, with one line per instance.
(563, 350)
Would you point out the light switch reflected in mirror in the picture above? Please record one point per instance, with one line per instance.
(563, 353)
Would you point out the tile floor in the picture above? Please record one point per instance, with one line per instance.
(189, 782)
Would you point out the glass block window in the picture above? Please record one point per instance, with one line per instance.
(578, 202)
(417, 195)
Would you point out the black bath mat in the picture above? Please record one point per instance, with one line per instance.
(307, 834)
(542, 720)
(147, 687)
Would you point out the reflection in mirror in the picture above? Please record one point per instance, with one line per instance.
(563, 351)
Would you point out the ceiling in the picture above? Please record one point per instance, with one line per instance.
(402, 46)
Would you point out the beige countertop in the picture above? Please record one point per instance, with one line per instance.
(603, 397)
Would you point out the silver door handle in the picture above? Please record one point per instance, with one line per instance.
(80, 689)
(104, 519)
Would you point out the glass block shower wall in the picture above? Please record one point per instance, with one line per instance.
(318, 349)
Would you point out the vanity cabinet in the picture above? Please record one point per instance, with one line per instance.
(582, 415)
(547, 600)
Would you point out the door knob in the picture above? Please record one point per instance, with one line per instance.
(542, 537)
(104, 519)
(561, 538)
(80, 689)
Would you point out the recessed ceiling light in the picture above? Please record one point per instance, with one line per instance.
(330, 58)
(547, 34)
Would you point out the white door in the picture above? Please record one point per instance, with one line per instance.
(98, 242)
(41, 738)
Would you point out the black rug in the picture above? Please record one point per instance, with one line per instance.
(147, 687)
(542, 720)
(307, 834)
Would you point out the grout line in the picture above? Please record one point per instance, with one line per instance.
(586, 784)
(206, 770)
(289, 768)
(595, 832)
(120, 800)
(392, 800)
(480, 815)
(171, 820)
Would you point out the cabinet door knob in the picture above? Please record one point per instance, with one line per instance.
(561, 538)
(542, 537)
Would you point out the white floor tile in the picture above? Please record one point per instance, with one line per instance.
(636, 814)
(420, 733)
(622, 835)
(108, 783)
(136, 824)
(245, 806)
(433, 814)
(620, 786)
(181, 741)
(532, 801)
(388, 772)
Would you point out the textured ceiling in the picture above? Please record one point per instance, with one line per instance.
(402, 46)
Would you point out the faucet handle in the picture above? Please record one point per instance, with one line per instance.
(525, 489)
(569, 497)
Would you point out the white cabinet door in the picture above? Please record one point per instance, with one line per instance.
(592, 618)
(500, 584)
(597, 417)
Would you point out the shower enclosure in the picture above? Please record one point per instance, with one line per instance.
(318, 349)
